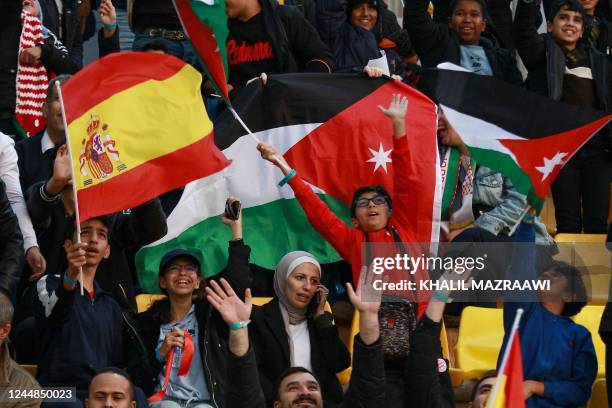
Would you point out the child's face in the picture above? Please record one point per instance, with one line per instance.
(468, 22)
(567, 27)
(558, 290)
(370, 216)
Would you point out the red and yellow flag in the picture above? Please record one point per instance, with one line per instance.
(510, 391)
(138, 128)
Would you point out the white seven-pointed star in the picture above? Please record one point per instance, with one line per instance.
(549, 164)
(380, 158)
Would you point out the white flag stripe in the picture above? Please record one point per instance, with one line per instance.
(479, 133)
(250, 178)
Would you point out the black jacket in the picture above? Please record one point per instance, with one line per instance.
(34, 166)
(427, 385)
(437, 43)
(11, 245)
(212, 328)
(77, 335)
(70, 37)
(143, 225)
(328, 354)
(366, 388)
(10, 31)
(295, 42)
(545, 61)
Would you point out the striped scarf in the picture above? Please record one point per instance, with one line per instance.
(32, 79)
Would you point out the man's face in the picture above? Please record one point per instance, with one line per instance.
(299, 390)
(482, 393)
(370, 216)
(181, 277)
(566, 28)
(52, 111)
(109, 390)
(364, 15)
(468, 21)
(95, 234)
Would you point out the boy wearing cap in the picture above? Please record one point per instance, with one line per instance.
(78, 334)
(184, 329)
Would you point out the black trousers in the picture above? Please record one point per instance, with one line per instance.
(581, 193)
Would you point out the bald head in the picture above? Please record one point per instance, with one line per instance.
(111, 388)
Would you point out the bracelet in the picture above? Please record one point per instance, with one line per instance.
(158, 356)
(239, 325)
(69, 280)
(441, 296)
(288, 177)
(529, 219)
(110, 26)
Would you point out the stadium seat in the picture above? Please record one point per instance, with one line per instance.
(589, 317)
(145, 300)
(599, 396)
(32, 369)
(481, 333)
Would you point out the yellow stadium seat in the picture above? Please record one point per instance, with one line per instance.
(481, 333)
(583, 238)
(260, 301)
(32, 369)
(145, 300)
(589, 317)
(599, 396)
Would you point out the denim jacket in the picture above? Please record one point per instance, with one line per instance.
(493, 190)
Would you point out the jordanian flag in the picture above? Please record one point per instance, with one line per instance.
(135, 134)
(205, 23)
(519, 133)
(330, 129)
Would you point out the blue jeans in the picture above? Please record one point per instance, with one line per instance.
(170, 402)
(181, 49)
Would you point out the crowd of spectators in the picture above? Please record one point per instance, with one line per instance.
(195, 348)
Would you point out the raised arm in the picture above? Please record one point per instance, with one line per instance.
(322, 219)
(529, 44)
(331, 16)
(424, 32)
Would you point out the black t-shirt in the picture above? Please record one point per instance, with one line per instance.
(155, 14)
(249, 51)
(578, 86)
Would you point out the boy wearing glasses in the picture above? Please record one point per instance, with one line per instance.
(373, 220)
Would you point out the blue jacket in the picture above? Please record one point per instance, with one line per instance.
(78, 336)
(555, 350)
(495, 191)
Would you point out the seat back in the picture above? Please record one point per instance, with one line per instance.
(145, 300)
(589, 317)
(481, 333)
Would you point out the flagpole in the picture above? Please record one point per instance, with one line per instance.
(520, 219)
(74, 186)
(239, 119)
(502, 368)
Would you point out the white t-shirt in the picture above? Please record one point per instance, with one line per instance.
(301, 344)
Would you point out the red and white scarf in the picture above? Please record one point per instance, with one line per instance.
(32, 79)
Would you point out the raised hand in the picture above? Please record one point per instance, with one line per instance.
(269, 153)
(235, 225)
(62, 174)
(227, 303)
(397, 108)
(366, 299)
(324, 292)
(108, 15)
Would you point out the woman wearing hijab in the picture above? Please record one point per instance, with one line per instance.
(293, 329)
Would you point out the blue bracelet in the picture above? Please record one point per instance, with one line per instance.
(110, 26)
(239, 325)
(288, 177)
(158, 356)
(70, 281)
(440, 296)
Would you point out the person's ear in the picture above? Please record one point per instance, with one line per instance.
(277, 404)
(549, 26)
(162, 282)
(133, 404)
(45, 109)
(86, 402)
(354, 222)
(107, 252)
(4, 332)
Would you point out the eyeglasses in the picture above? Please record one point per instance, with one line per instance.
(376, 200)
(191, 269)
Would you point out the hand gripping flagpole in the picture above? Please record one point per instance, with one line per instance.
(74, 186)
(502, 368)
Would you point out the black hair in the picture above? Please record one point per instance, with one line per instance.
(572, 5)
(106, 220)
(119, 372)
(61, 79)
(486, 376)
(378, 189)
(155, 45)
(287, 373)
(575, 285)
(483, 7)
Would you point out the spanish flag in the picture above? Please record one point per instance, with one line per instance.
(508, 389)
(137, 128)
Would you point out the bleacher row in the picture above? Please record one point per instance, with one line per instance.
(481, 330)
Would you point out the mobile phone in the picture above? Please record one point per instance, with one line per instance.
(314, 303)
(232, 210)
